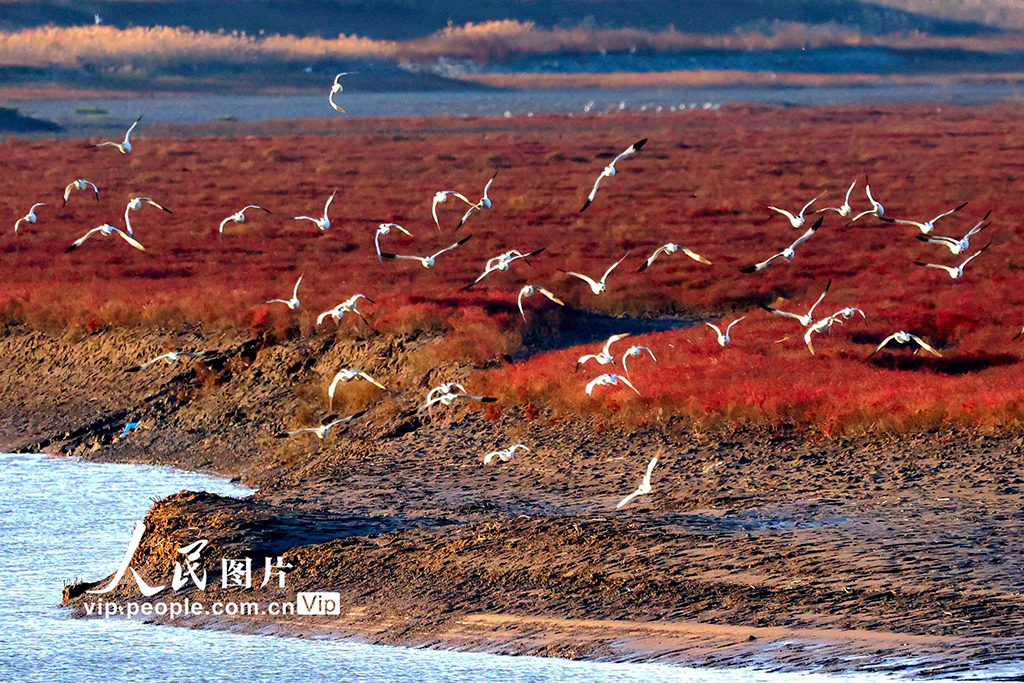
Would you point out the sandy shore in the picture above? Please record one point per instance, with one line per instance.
(755, 548)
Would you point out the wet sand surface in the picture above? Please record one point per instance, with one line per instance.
(874, 553)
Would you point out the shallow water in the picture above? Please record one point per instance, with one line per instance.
(195, 109)
(60, 518)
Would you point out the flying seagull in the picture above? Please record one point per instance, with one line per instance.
(902, 337)
(484, 203)
(502, 263)
(607, 381)
(440, 198)
(170, 358)
(798, 220)
(596, 287)
(955, 272)
(106, 230)
(505, 454)
(322, 223)
(788, 253)
(609, 170)
(29, 217)
(805, 319)
(240, 216)
(135, 204)
(321, 431)
(292, 303)
(125, 146)
(80, 184)
(385, 229)
(671, 248)
(876, 209)
(634, 351)
(530, 290)
(928, 226)
(350, 305)
(957, 246)
(644, 488)
(335, 89)
(347, 375)
(426, 261)
(723, 337)
(447, 394)
(604, 357)
(844, 210)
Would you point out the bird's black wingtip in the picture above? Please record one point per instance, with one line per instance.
(467, 287)
(384, 254)
(828, 286)
(463, 240)
(488, 399)
(70, 249)
(918, 263)
(638, 145)
(886, 220)
(960, 207)
(748, 269)
(1018, 336)
(585, 206)
(281, 435)
(767, 308)
(921, 238)
(642, 268)
(135, 369)
(817, 223)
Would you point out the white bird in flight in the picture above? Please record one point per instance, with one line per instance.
(805, 319)
(644, 488)
(385, 229)
(530, 290)
(347, 375)
(321, 431)
(928, 226)
(29, 217)
(484, 203)
(609, 170)
(604, 357)
(335, 89)
(607, 381)
(440, 198)
(239, 217)
(827, 322)
(798, 220)
(106, 230)
(292, 303)
(955, 272)
(723, 337)
(448, 393)
(634, 351)
(426, 261)
(844, 210)
(671, 248)
(505, 454)
(170, 358)
(80, 184)
(957, 246)
(788, 253)
(876, 209)
(350, 305)
(597, 287)
(125, 146)
(322, 223)
(502, 262)
(902, 337)
(135, 204)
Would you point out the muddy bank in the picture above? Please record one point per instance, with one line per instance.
(753, 548)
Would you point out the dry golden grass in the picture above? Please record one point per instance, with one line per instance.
(141, 47)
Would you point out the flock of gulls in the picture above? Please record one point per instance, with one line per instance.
(449, 393)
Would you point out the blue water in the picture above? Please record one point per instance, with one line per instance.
(60, 518)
